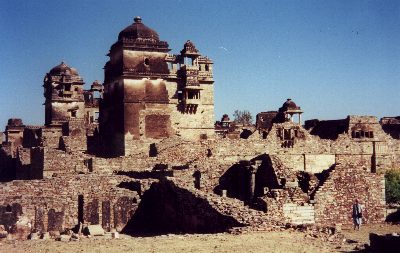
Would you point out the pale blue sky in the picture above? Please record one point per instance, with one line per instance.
(333, 58)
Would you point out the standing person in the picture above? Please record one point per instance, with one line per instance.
(357, 214)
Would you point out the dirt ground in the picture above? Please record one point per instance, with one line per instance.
(283, 241)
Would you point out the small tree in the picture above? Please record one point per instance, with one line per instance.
(392, 179)
(242, 117)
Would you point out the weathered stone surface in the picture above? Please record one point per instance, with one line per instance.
(53, 234)
(64, 238)
(115, 235)
(34, 236)
(95, 230)
(45, 236)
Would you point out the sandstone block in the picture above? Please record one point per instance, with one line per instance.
(45, 236)
(95, 230)
(54, 234)
(65, 238)
(115, 235)
(34, 236)
(20, 232)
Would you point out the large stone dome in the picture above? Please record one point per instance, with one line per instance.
(63, 69)
(138, 30)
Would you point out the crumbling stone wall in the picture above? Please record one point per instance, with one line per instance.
(200, 166)
(47, 162)
(7, 162)
(346, 183)
(287, 205)
(53, 204)
(302, 142)
(23, 164)
(51, 137)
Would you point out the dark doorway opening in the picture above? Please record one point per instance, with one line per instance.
(80, 208)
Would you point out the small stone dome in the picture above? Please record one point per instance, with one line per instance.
(289, 104)
(63, 69)
(138, 30)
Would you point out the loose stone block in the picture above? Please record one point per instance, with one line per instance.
(95, 230)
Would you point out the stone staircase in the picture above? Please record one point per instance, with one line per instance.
(250, 218)
(324, 182)
(299, 214)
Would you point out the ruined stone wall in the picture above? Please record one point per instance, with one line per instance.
(289, 205)
(7, 162)
(51, 136)
(361, 161)
(22, 168)
(303, 143)
(312, 163)
(57, 203)
(346, 183)
(347, 145)
(393, 158)
(369, 123)
(48, 162)
(60, 162)
(75, 143)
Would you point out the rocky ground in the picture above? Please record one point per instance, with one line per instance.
(288, 240)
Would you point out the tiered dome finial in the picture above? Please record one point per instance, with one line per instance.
(137, 19)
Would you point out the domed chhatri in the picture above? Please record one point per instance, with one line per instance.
(289, 108)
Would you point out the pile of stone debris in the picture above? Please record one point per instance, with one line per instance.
(68, 235)
(327, 234)
(22, 230)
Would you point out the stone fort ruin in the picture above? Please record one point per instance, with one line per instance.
(140, 153)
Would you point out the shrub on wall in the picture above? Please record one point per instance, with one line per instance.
(392, 179)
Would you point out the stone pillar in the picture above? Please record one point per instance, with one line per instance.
(252, 183)
(299, 118)
(252, 169)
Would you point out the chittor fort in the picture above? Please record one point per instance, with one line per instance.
(141, 153)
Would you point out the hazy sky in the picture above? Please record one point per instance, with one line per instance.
(333, 58)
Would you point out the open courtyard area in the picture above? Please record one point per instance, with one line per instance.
(285, 241)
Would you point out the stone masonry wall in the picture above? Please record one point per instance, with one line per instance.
(57, 203)
(346, 183)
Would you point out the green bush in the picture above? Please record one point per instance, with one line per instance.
(392, 178)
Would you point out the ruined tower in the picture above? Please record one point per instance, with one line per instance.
(63, 92)
(150, 94)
